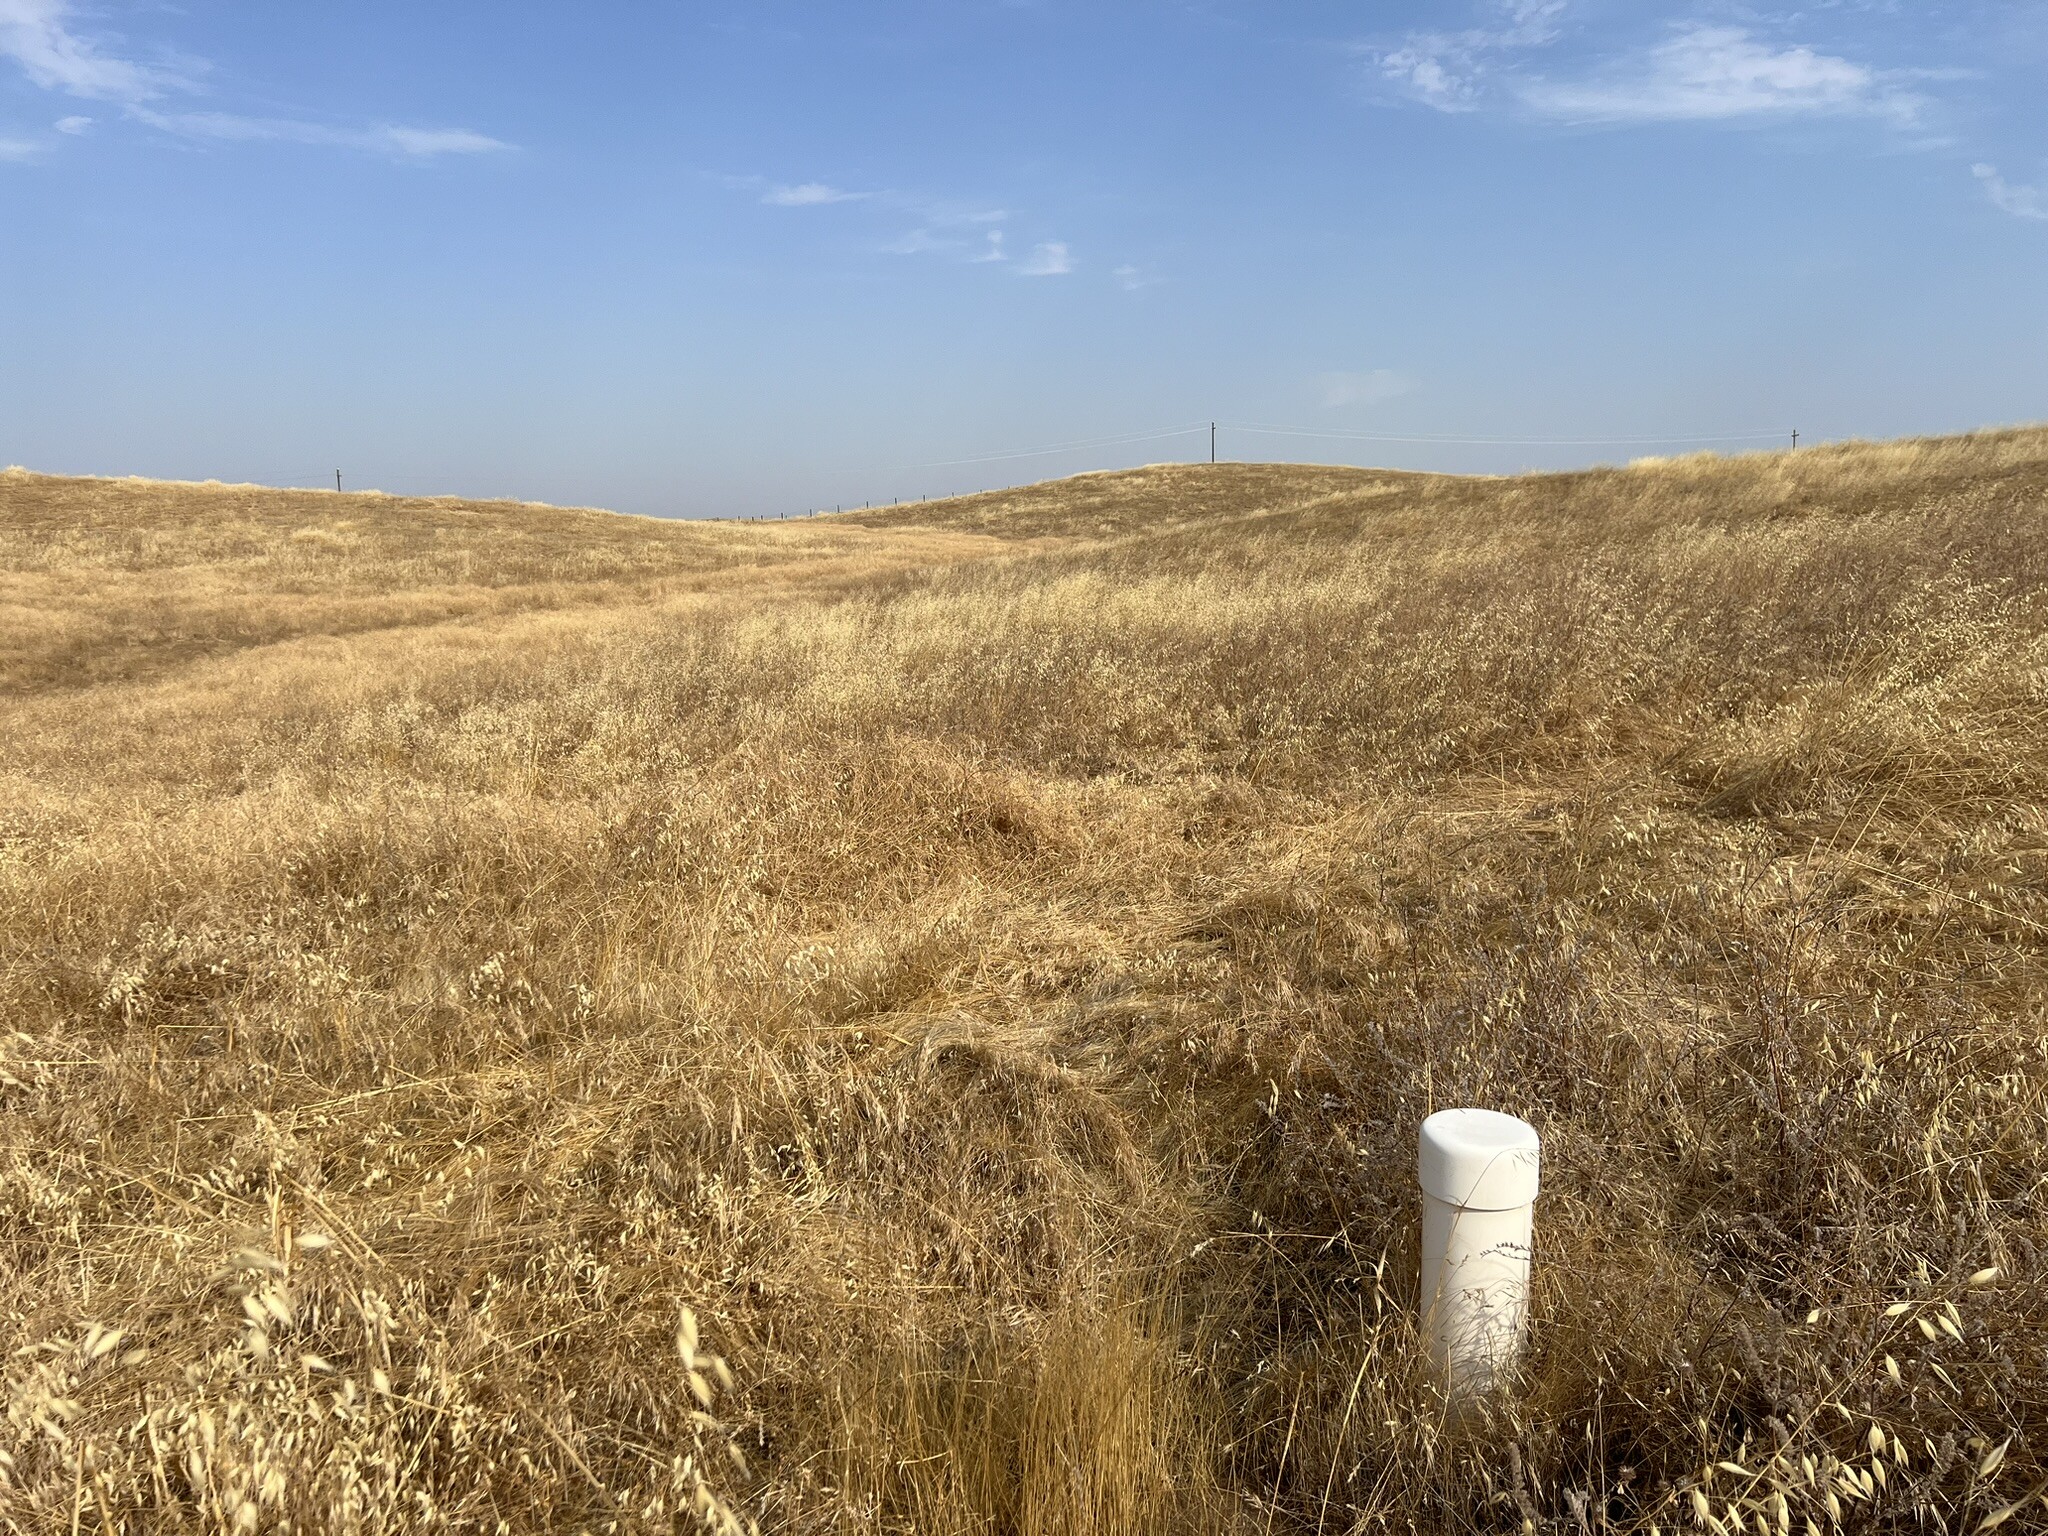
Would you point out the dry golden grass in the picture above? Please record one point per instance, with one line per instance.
(978, 968)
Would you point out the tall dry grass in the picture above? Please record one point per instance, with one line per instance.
(917, 1022)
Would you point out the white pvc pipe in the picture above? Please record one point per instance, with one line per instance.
(1479, 1176)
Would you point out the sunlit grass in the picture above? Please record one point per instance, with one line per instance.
(978, 968)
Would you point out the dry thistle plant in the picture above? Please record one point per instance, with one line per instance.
(467, 971)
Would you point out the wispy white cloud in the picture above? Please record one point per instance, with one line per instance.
(2020, 202)
(1427, 70)
(918, 242)
(944, 213)
(934, 213)
(1720, 74)
(387, 139)
(1452, 71)
(421, 143)
(19, 149)
(971, 232)
(40, 37)
(1131, 278)
(36, 34)
(926, 241)
(1368, 388)
(1698, 73)
(809, 194)
(1051, 258)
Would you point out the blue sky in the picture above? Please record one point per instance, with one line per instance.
(758, 257)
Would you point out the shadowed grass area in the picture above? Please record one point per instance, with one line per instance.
(917, 1021)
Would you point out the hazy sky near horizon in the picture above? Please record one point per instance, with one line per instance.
(762, 255)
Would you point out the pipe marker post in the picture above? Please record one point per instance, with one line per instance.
(1479, 1177)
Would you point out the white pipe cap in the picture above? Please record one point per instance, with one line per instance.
(1479, 1159)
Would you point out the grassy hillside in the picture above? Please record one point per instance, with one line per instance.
(533, 1020)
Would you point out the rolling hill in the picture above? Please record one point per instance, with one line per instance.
(532, 1019)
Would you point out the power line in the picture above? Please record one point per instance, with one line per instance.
(1269, 429)
(1088, 442)
(1526, 442)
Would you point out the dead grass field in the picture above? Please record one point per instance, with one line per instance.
(524, 1020)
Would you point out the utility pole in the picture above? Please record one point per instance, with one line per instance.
(1212, 442)
(1795, 437)
(337, 479)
